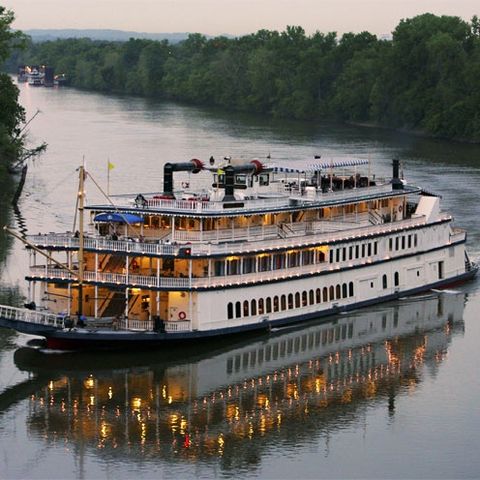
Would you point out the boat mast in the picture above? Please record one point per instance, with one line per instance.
(81, 202)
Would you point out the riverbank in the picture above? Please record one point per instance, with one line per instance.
(405, 83)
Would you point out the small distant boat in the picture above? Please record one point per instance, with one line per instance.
(60, 80)
(35, 78)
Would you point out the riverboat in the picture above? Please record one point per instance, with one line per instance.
(235, 247)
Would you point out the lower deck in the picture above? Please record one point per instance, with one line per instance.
(153, 316)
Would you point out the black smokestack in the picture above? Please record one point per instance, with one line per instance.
(254, 167)
(229, 184)
(193, 166)
(396, 182)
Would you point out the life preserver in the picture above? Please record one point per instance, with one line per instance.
(182, 315)
(400, 209)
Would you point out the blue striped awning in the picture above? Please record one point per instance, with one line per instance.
(287, 170)
(336, 164)
(325, 165)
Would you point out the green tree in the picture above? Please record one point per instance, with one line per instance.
(11, 113)
(13, 152)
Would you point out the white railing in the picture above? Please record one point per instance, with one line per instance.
(214, 206)
(136, 325)
(101, 243)
(149, 281)
(111, 278)
(30, 316)
(177, 326)
(296, 241)
(199, 205)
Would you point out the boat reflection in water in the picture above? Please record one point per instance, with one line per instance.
(234, 401)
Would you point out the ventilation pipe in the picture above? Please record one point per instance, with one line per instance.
(396, 182)
(254, 168)
(193, 166)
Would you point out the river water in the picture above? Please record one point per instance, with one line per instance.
(384, 392)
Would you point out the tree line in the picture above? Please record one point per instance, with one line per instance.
(12, 114)
(14, 153)
(426, 78)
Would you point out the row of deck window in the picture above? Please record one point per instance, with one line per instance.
(353, 252)
(266, 263)
(402, 242)
(313, 256)
(280, 303)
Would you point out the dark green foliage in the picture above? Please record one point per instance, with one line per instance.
(11, 113)
(426, 78)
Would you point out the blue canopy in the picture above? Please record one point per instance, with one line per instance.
(118, 218)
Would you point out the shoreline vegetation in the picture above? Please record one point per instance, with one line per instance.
(425, 79)
(14, 153)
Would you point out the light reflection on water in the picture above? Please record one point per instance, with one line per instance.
(235, 404)
(406, 408)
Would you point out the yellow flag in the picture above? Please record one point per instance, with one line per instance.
(111, 165)
(220, 171)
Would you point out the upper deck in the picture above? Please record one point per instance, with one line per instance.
(191, 205)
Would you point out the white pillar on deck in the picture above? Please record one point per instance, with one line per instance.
(158, 284)
(96, 286)
(126, 289)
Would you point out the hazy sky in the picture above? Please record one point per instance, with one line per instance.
(230, 16)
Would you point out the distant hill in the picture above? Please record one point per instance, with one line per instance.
(44, 35)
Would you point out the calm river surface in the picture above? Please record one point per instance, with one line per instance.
(386, 392)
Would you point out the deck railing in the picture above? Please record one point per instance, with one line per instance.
(295, 241)
(57, 321)
(197, 206)
(284, 199)
(103, 244)
(147, 281)
(291, 235)
(136, 325)
(177, 326)
(31, 316)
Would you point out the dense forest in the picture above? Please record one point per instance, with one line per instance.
(426, 78)
(12, 114)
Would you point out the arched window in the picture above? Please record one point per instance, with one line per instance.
(283, 302)
(344, 291)
(253, 307)
(350, 289)
(396, 279)
(230, 310)
(331, 295)
(238, 309)
(261, 307)
(269, 305)
(276, 305)
(384, 281)
(318, 294)
(338, 292)
(304, 298)
(297, 300)
(290, 301)
(245, 308)
(325, 294)
(311, 297)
